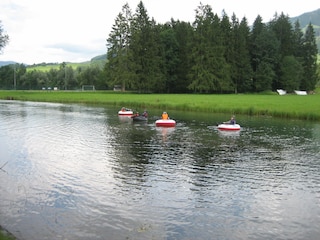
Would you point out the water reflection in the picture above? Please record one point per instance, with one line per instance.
(165, 133)
(80, 172)
(230, 134)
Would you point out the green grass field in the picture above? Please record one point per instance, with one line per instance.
(4, 235)
(287, 106)
(46, 68)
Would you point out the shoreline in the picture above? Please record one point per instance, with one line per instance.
(6, 235)
(288, 106)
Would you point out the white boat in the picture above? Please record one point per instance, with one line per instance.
(165, 123)
(125, 112)
(301, 92)
(281, 92)
(229, 127)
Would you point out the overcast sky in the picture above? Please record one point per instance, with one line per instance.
(76, 30)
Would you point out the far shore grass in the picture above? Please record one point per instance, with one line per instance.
(270, 104)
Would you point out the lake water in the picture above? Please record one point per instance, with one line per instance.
(80, 172)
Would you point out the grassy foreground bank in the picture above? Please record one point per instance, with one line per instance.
(5, 235)
(286, 106)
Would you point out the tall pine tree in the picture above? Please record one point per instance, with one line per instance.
(309, 64)
(119, 66)
(264, 52)
(145, 48)
(242, 73)
(184, 34)
(210, 71)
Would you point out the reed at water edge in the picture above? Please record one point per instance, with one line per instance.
(288, 106)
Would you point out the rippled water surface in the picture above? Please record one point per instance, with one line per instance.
(80, 172)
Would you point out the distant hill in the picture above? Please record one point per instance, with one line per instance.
(4, 63)
(99, 60)
(45, 67)
(100, 57)
(313, 18)
(306, 18)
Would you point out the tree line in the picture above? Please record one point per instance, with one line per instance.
(210, 55)
(16, 76)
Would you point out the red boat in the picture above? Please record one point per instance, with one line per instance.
(165, 123)
(125, 112)
(229, 127)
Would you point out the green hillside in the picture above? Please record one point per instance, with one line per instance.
(306, 18)
(45, 67)
(313, 18)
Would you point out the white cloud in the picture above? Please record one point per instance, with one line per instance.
(74, 31)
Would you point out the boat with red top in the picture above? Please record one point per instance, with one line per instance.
(125, 112)
(229, 127)
(165, 123)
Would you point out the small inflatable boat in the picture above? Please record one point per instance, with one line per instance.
(125, 112)
(139, 118)
(229, 127)
(165, 123)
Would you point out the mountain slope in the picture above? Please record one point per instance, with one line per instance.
(313, 18)
(306, 18)
(4, 63)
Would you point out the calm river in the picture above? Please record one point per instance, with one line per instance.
(80, 172)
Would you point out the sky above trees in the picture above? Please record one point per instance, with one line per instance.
(76, 31)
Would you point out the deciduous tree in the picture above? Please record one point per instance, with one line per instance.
(291, 72)
(4, 38)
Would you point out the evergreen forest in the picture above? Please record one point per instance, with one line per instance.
(212, 54)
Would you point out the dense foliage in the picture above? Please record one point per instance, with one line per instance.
(211, 55)
(65, 77)
(4, 38)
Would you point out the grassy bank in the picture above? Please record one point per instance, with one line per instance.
(287, 106)
(5, 235)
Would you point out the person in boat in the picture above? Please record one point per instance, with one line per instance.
(165, 116)
(145, 114)
(124, 109)
(137, 114)
(232, 121)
